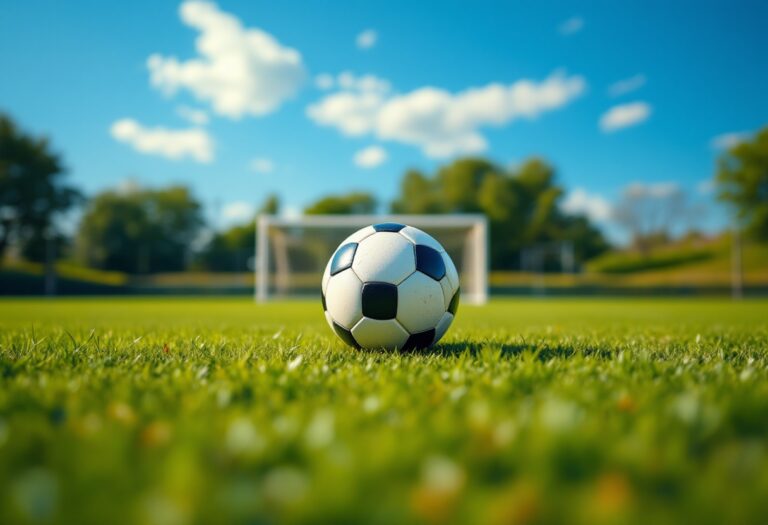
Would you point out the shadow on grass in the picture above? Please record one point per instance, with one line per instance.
(542, 352)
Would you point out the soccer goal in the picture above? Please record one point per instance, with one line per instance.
(291, 252)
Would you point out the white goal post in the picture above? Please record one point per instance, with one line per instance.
(291, 252)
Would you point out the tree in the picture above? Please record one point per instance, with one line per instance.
(649, 213)
(417, 194)
(33, 192)
(230, 250)
(587, 240)
(522, 206)
(742, 181)
(270, 206)
(458, 184)
(140, 230)
(351, 203)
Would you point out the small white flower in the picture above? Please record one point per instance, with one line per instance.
(293, 364)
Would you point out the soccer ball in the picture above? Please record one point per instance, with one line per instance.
(390, 286)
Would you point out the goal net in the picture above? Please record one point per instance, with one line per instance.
(291, 252)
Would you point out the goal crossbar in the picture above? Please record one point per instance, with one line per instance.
(475, 224)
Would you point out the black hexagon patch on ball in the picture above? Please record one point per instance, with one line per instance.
(420, 340)
(430, 262)
(345, 335)
(379, 301)
(454, 306)
(343, 257)
(388, 227)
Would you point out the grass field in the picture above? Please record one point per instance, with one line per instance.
(169, 411)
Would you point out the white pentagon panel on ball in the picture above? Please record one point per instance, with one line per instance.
(386, 257)
(448, 291)
(359, 235)
(326, 275)
(374, 333)
(344, 298)
(420, 303)
(416, 236)
(450, 271)
(442, 326)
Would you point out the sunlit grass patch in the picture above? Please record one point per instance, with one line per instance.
(184, 410)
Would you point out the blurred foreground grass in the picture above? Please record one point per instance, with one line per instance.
(176, 411)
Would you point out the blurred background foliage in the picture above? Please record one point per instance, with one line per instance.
(138, 230)
(522, 206)
(33, 192)
(144, 231)
(742, 178)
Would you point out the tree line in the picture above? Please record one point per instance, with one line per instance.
(146, 230)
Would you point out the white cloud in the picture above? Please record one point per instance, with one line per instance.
(364, 83)
(571, 26)
(348, 81)
(240, 71)
(581, 202)
(174, 144)
(729, 140)
(627, 85)
(192, 115)
(367, 39)
(353, 114)
(441, 123)
(706, 186)
(128, 186)
(624, 115)
(370, 157)
(324, 81)
(291, 211)
(262, 165)
(657, 190)
(238, 212)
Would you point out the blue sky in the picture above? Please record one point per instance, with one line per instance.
(425, 83)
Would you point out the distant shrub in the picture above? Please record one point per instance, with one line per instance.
(66, 270)
(623, 262)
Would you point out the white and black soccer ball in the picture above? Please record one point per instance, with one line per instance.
(390, 286)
